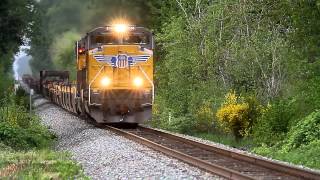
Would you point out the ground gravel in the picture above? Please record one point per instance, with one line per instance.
(105, 155)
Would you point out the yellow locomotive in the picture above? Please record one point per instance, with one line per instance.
(114, 76)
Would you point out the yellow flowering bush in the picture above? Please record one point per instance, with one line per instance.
(233, 115)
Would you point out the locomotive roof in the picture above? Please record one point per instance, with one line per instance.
(105, 28)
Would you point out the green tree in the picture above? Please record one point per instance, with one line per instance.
(14, 26)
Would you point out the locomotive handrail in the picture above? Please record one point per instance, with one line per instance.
(77, 54)
(99, 72)
(147, 77)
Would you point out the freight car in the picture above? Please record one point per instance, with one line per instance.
(114, 76)
(31, 82)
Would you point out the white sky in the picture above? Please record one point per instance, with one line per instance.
(19, 55)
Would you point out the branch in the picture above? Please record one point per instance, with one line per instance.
(185, 12)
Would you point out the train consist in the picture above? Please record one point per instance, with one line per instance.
(31, 82)
(114, 76)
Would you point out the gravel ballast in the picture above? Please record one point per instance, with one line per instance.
(105, 155)
(232, 149)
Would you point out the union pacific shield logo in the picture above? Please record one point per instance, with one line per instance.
(122, 61)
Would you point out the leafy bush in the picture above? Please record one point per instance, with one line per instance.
(254, 111)
(21, 98)
(301, 145)
(21, 139)
(160, 114)
(19, 129)
(165, 118)
(4, 148)
(307, 155)
(307, 92)
(233, 115)
(204, 117)
(182, 124)
(305, 132)
(5, 79)
(274, 123)
(15, 115)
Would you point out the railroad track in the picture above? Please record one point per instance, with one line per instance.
(225, 163)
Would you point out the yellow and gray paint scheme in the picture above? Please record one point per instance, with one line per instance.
(115, 74)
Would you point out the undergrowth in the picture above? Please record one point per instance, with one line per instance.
(277, 129)
(39, 164)
(301, 146)
(25, 145)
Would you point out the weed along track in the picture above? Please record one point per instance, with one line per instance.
(228, 164)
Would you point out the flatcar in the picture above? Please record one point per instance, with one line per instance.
(114, 81)
(31, 82)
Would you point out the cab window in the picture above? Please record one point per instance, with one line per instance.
(111, 39)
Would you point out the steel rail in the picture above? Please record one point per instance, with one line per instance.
(215, 169)
(210, 167)
(276, 166)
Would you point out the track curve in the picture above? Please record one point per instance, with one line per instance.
(226, 163)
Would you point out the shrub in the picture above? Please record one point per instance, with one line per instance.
(165, 118)
(233, 115)
(22, 98)
(19, 129)
(4, 148)
(21, 139)
(160, 114)
(305, 132)
(254, 111)
(182, 124)
(274, 123)
(307, 155)
(204, 117)
(6, 83)
(15, 115)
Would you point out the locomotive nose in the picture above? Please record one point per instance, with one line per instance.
(122, 102)
(123, 109)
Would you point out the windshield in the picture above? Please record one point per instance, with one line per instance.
(109, 38)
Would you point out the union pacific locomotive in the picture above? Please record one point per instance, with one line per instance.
(114, 76)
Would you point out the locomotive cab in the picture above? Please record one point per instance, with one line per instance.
(115, 74)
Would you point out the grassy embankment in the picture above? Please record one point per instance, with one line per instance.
(26, 146)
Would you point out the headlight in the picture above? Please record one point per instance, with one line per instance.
(105, 81)
(121, 28)
(138, 82)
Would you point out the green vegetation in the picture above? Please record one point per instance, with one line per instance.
(18, 129)
(301, 144)
(263, 54)
(14, 16)
(235, 116)
(40, 164)
(24, 143)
